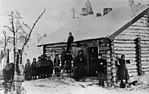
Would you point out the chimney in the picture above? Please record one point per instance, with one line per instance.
(106, 10)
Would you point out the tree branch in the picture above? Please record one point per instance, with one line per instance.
(8, 28)
(31, 29)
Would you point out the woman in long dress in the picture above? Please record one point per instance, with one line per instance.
(28, 70)
(122, 71)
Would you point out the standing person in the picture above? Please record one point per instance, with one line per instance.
(57, 65)
(39, 67)
(50, 66)
(102, 70)
(63, 59)
(8, 74)
(68, 62)
(43, 66)
(80, 64)
(122, 71)
(28, 70)
(34, 69)
(69, 41)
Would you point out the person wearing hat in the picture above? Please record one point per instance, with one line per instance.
(34, 68)
(68, 62)
(50, 66)
(28, 70)
(80, 64)
(102, 70)
(69, 41)
(122, 72)
(8, 75)
(56, 65)
(63, 59)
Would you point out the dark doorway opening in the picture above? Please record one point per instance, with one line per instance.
(93, 61)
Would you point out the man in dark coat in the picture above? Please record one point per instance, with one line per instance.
(63, 59)
(43, 66)
(8, 74)
(122, 71)
(80, 64)
(69, 41)
(68, 62)
(57, 65)
(102, 70)
(28, 70)
(34, 69)
(50, 66)
(39, 67)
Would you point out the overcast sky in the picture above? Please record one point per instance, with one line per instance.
(57, 13)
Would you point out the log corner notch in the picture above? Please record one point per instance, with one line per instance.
(138, 55)
(111, 68)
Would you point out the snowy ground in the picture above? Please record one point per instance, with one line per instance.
(56, 85)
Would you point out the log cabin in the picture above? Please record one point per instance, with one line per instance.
(123, 30)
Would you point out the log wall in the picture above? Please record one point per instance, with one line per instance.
(125, 43)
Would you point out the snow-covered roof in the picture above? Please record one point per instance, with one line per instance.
(92, 27)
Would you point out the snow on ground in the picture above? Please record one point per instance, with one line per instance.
(55, 85)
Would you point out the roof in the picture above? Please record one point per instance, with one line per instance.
(92, 27)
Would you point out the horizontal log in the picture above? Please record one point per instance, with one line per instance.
(132, 72)
(144, 41)
(125, 45)
(144, 56)
(144, 46)
(139, 25)
(135, 32)
(134, 35)
(142, 29)
(124, 48)
(144, 52)
(132, 68)
(116, 46)
(144, 49)
(125, 51)
(129, 55)
(145, 63)
(145, 70)
(131, 37)
(124, 42)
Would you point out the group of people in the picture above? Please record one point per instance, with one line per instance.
(42, 68)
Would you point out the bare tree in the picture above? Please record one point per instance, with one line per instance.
(17, 27)
(14, 28)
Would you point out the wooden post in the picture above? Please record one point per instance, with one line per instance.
(44, 50)
(138, 56)
(7, 56)
(111, 68)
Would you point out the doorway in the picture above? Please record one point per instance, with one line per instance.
(93, 60)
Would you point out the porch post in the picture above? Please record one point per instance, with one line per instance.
(138, 56)
(44, 50)
(111, 68)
